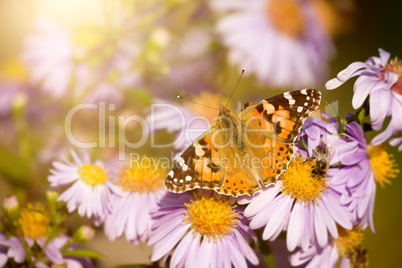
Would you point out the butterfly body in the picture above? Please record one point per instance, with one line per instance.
(241, 153)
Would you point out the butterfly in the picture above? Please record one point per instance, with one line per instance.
(244, 151)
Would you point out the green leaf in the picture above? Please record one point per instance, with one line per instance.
(361, 115)
(303, 144)
(52, 233)
(83, 253)
(270, 260)
(336, 165)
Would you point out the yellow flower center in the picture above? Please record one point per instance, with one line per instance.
(287, 17)
(211, 217)
(348, 241)
(143, 174)
(34, 224)
(395, 66)
(300, 183)
(382, 164)
(13, 70)
(328, 16)
(93, 175)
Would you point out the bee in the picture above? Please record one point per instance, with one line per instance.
(322, 158)
(359, 258)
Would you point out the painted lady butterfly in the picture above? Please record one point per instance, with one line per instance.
(242, 151)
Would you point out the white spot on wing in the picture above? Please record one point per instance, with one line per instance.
(180, 161)
(304, 91)
(171, 173)
(199, 151)
(299, 109)
(289, 97)
(175, 180)
(188, 178)
(306, 103)
(307, 98)
(185, 167)
(181, 181)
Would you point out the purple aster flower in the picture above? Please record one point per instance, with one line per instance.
(280, 41)
(302, 202)
(53, 247)
(52, 251)
(3, 253)
(89, 188)
(34, 225)
(347, 247)
(57, 59)
(3, 250)
(15, 250)
(201, 230)
(361, 169)
(396, 142)
(73, 262)
(49, 55)
(55, 256)
(380, 79)
(141, 187)
(315, 131)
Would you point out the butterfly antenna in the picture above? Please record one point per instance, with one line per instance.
(181, 98)
(231, 95)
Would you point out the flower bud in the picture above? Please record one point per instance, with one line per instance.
(51, 197)
(84, 234)
(11, 207)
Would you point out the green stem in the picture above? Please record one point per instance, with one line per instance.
(51, 236)
(366, 108)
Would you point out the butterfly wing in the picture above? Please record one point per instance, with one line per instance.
(258, 154)
(238, 175)
(272, 126)
(197, 167)
(209, 164)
